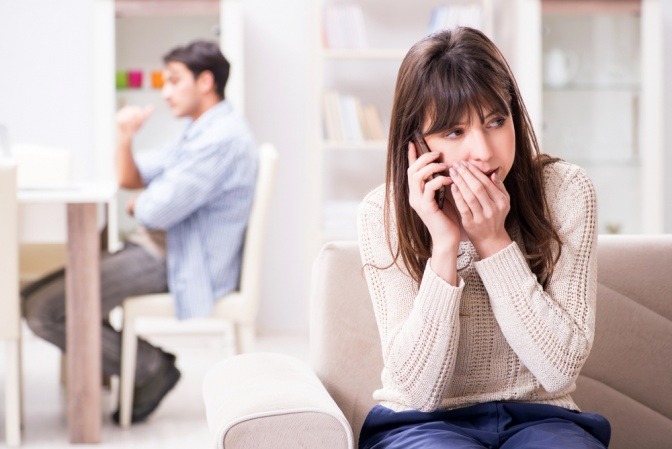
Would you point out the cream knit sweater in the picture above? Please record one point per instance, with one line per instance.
(498, 336)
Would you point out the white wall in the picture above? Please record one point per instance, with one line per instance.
(277, 51)
(46, 83)
(667, 111)
(50, 85)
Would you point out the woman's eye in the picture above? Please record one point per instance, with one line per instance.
(454, 134)
(497, 123)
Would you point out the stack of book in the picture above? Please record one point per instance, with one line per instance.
(347, 119)
(451, 16)
(344, 27)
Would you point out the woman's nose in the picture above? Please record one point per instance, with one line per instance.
(480, 147)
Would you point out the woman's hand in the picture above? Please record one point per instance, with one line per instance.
(443, 225)
(483, 204)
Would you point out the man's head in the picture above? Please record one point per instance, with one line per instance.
(195, 78)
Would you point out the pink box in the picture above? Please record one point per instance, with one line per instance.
(135, 79)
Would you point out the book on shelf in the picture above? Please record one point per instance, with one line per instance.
(455, 15)
(346, 119)
(332, 116)
(344, 27)
(372, 124)
(352, 129)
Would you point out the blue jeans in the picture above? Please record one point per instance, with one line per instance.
(493, 425)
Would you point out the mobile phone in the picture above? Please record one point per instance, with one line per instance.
(422, 145)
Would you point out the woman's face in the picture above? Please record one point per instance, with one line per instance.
(489, 146)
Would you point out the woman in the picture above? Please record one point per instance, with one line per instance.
(485, 306)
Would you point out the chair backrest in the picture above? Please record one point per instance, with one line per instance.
(627, 377)
(10, 317)
(42, 166)
(250, 276)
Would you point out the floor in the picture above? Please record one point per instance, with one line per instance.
(180, 420)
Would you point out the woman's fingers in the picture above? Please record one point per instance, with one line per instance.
(477, 182)
(428, 171)
(497, 182)
(482, 193)
(418, 166)
(412, 155)
(432, 186)
(415, 162)
(471, 196)
(460, 203)
(420, 170)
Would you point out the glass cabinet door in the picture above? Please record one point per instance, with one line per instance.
(592, 91)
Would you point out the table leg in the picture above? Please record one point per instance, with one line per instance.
(83, 325)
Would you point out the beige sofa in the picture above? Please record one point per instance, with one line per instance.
(276, 401)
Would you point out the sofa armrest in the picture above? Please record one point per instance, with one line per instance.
(263, 400)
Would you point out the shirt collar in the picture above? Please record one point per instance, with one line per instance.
(195, 127)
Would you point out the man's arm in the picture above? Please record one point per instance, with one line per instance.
(129, 121)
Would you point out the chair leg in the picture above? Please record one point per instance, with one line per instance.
(245, 337)
(22, 408)
(13, 394)
(129, 350)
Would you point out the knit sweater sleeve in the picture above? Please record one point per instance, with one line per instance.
(419, 327)
(551, 330)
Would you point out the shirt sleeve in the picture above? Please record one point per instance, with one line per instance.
(186, 185)
(419, 327)
(551, 330)
(150, 164)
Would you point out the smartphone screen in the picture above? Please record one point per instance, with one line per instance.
(422, 146)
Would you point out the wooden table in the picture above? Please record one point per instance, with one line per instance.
(83, 315)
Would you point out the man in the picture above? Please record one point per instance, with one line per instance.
(193, 214)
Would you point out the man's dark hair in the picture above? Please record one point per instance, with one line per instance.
(200, 56)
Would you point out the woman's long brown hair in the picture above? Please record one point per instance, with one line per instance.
(442, 78)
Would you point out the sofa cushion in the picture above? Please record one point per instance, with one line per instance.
(628, 376)
(345, 349)
(286, 430)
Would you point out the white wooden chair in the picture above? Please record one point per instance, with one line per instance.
(10, 318)
(239, 307)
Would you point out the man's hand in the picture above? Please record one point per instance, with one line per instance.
(130, 206)
(131, 118)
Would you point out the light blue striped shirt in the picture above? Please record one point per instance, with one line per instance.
(199, 190)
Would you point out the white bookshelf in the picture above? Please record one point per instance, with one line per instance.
(394, 54)
(603, 112)
(367, 145)
(345, 170)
